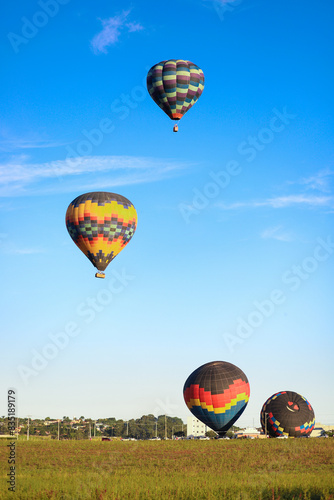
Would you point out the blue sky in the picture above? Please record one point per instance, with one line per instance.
(233, 256)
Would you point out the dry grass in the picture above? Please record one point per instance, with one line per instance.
(247, 469)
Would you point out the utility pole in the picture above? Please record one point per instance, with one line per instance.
(156, 429)
(58, 429)
(94, 427)
(127, 427)
(90, 433)
(165, 426)
(28, 429)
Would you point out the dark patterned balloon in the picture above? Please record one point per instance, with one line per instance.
(287, 414)
(175, 86)
(217, 393)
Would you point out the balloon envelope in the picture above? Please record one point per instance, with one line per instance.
(287, 413)
(217, 393)
(175, 86)
(101, 224)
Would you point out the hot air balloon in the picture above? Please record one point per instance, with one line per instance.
(287, 414)
(175, 86)
(217, 393)
(101, 224)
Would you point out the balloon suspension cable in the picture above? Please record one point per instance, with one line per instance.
(100, 275)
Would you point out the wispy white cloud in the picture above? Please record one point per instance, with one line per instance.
(27, 251)
(234, 206)
(299, 199)
(310, 201)
(19, 177)
(222, 2)
(8, 247)
(320, 181)
(276, 233)
(314, 192)
(111, 31)
(13, 144)
(225, 5)
(10, 142)
(133, 27)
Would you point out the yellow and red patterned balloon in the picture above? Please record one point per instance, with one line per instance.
(101, 224)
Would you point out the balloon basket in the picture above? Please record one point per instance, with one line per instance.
(100, 275)
(175, 128)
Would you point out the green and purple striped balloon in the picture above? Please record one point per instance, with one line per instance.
(175, 86)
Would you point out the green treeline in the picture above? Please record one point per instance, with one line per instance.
(145, 427)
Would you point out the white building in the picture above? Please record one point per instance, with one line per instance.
(248, 432)
(326, 428)
(318, 432)
(196, 428)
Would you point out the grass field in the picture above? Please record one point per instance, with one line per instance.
(237, 469)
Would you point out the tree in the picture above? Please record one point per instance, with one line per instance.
(211, 434)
